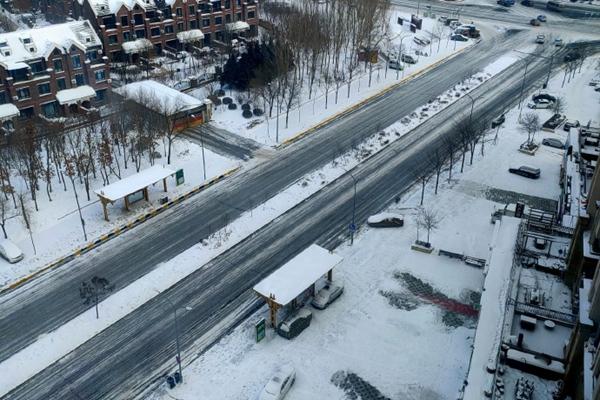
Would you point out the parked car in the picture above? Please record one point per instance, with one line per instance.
(534, 22)
(540, 39)
(552, 142)
(499, 120)
(526, 171)
(597, 89)
(279, 384)
(558, 42)
(407, 58)
(10, 252)
(572, 57)
(386, 220)
(571, 123)
(594, 82)
(541, 18)
(459, 38)
(541, 104)
(327, 295)
(543, 95)
(395, 64)
(293, 325)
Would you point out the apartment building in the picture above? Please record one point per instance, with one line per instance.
(130, 28)
(52, 71)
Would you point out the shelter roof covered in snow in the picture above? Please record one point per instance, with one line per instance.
(32, 44)
(8, 111)
(193, 35)
(72, 96)
(137, 46)
(237, 26)
(297, 275)
(170, 101)
(134, 183)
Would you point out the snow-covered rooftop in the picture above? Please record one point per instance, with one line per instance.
(297, 274)
(237, 26)
(159, 97)
(137, 46)
(106, 7)
(192, 35)
(31, 44)
(134, 183)
(71, 96)
(8, 111)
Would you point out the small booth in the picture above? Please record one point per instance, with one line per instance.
(297, 276)
(134, 187)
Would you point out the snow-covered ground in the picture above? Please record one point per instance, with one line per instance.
(56, 227)
(309, 112)
(381, 332)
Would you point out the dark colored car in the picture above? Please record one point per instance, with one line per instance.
(407, 58)
(543, 96)
(526, 171)
(572, 57)
(571, 124)
(293, 325)
(534, 22)
(552, 142)
(541, 18)
(386, 220)
(459, 38)
(498, 121)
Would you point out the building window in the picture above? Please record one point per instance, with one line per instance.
(238, 16)
(76, 61)
(126, 36)
(205, 8)
(251, 14)
(79, 79)
(219, 35)
(192, 10)
(227, 4)
(216, 6)
(155, 32)
(140, 33)
(100, 75)
(180, 27)
(218, 20)
(193, 24)
(36, 67)
(43, 88)
(27, 112)
(49, 109)
(23, 93)
(124, 20)
(138, 19)
(112, 39)
(91, 55)
(101, 95)
(179, 12)
(61, 84)
(206, 22)
(169, 29)
(228, 18)
(3, 97)
(58, 66)
(239, 3)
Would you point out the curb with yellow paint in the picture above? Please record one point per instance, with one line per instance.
(117, 231)
(361, 103)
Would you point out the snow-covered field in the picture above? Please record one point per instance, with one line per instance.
(309, 111)
(56, 227)
(381, 336)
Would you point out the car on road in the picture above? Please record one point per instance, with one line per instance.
(552, 142)
(386, 220)
(526, 171)
(459, 38)
(571, 123)
(541, 18)
(395, 64)
(327, 295)
(597, 89)
(558, 42)
(279, 384)
(540, 39)
(540, 104)
(499, 120)
(10, 251)
(293, 325)
(407, 58)
(572, 57)
(534, 22)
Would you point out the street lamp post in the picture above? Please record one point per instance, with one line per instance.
(353, 224)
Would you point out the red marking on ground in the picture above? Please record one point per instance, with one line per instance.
(452, 305)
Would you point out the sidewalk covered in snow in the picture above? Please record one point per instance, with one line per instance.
(133, 186)
(284, 285)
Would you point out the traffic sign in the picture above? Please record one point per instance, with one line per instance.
(352, 227)
(261, 327)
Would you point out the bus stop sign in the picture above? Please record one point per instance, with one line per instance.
(179, 178)
(261, 327)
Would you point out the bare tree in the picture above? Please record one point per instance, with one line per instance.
(530, 124)
(560, 105)
(3, 214)
(429, 220)
(26, 216)
(70, 171)
(450, 144)
(437, 160)
(91, 291)
(423, 176)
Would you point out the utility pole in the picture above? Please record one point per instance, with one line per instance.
(522, 88)
(353, 223)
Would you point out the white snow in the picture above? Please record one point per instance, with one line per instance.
(71, 96)
(297, 275)
(170, 101)
(237, 26)
(8, 111)
(137, 46)
(190, 36)
(134, 183)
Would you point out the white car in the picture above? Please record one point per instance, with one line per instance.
(279, 384)
(327, 295)
(540, 39)
(540, 104)
(10, 251)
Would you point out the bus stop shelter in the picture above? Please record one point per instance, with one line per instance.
(284, 285)
(135, 184)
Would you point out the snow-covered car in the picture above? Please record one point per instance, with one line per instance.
(540, 39)
(552, 142)
(558, 42)
(10, 252)
(541, 18)
(279, 384)
(395, 64)
(526, 171)
(386, 220)
(540, 104)
(407, 58)
(293, 325)
(571, 123)
(499, 120)
(534, 22)
(543, 95)
(595, 82)
(327, 295)
(182, 85)
(459, 38)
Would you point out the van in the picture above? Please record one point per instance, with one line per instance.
(10, 252)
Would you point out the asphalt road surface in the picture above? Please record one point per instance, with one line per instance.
(124, 360)
(222, 142)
